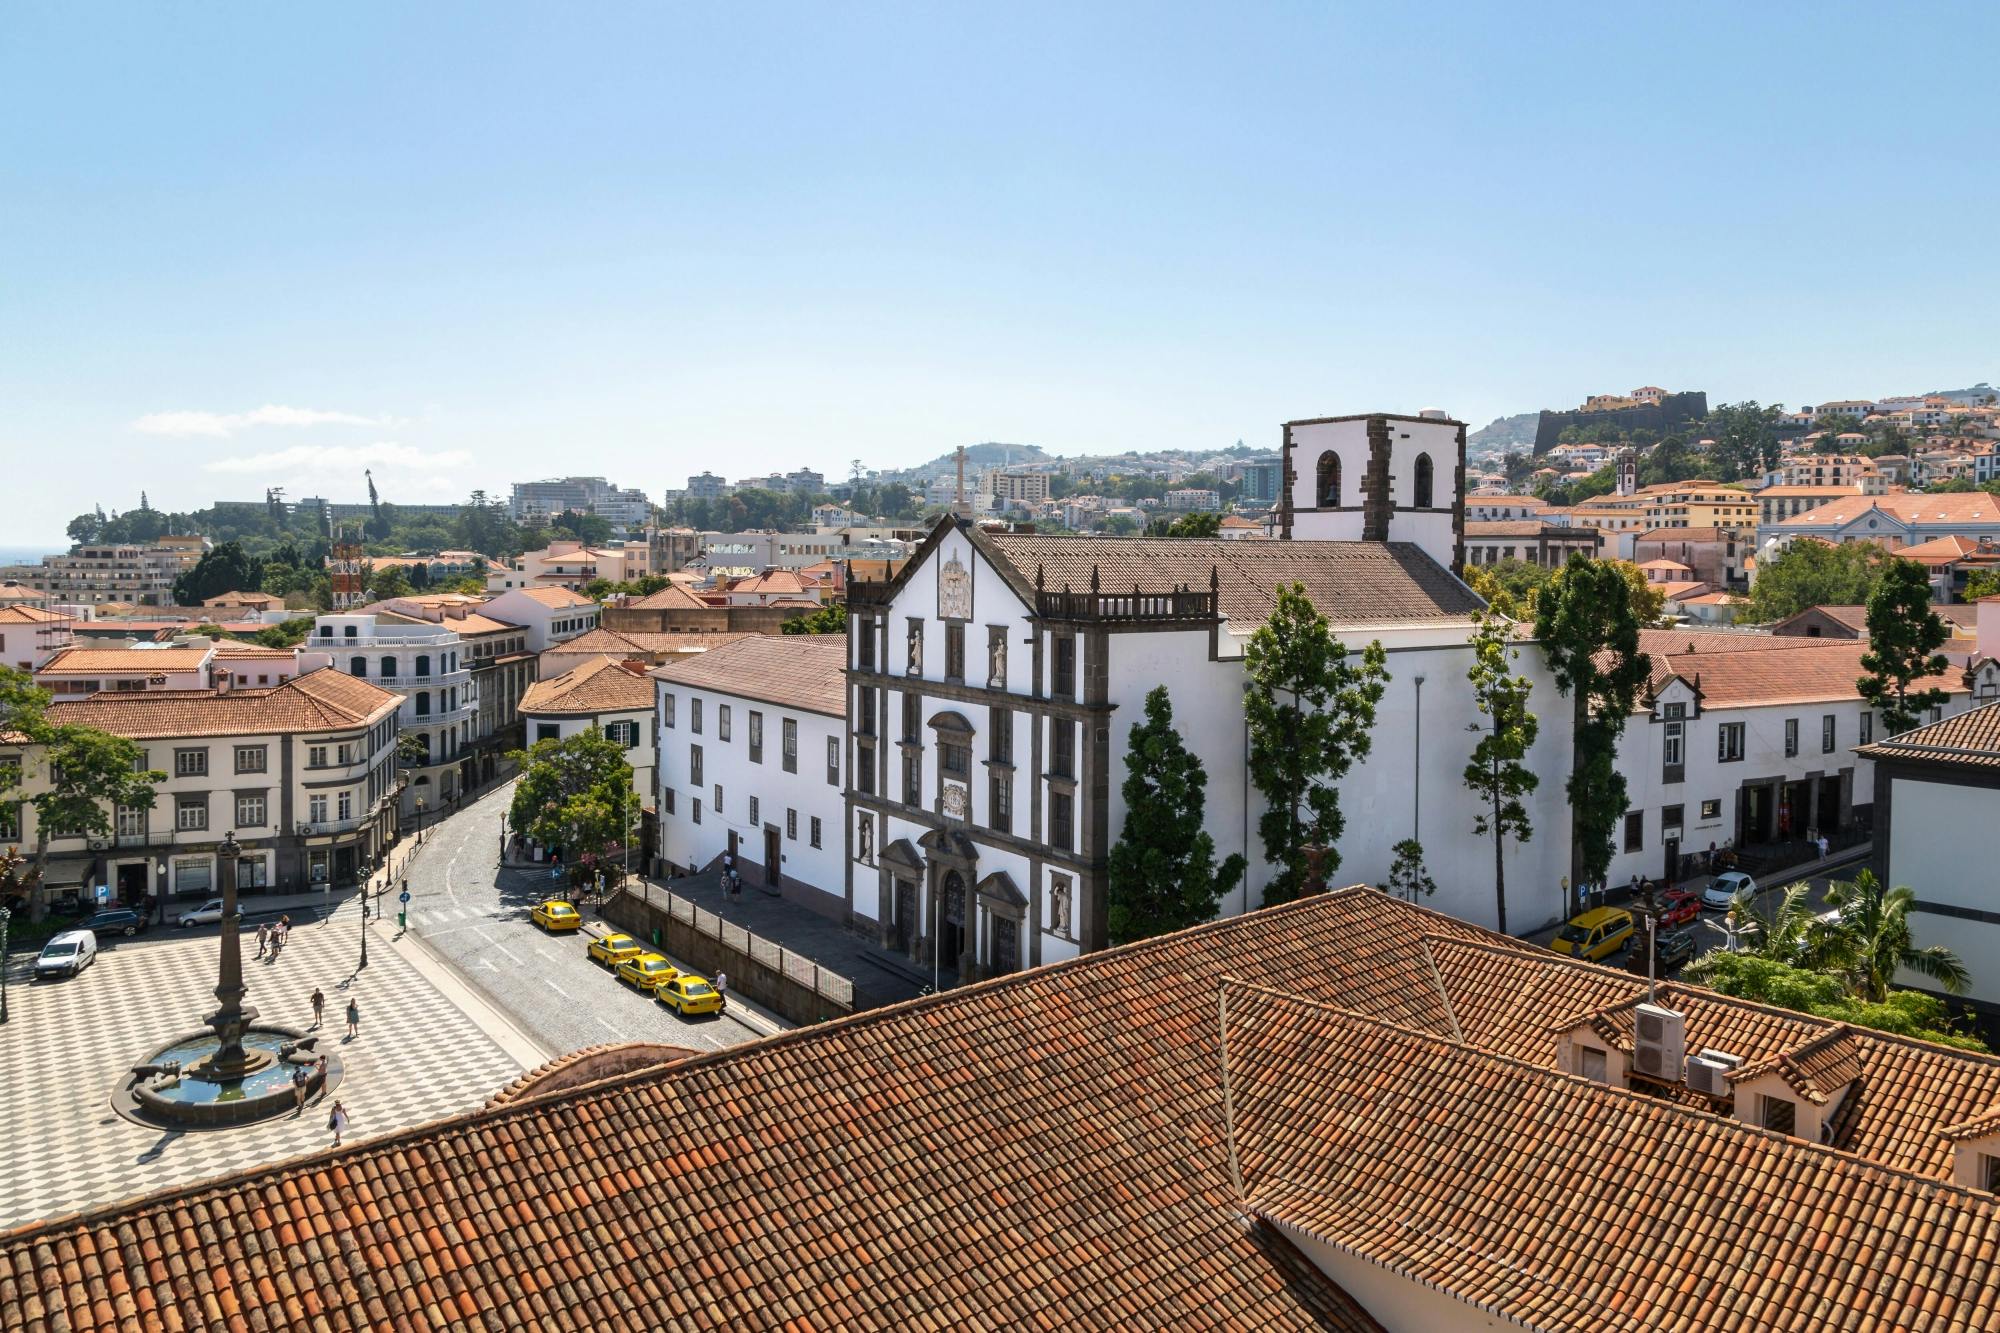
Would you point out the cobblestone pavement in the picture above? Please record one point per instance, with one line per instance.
(417, 1058)
(472, 913)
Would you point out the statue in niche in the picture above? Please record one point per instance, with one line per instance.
(916, 667)
(996, 662)
(865, 839)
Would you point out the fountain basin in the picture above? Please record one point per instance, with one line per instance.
(195, 1099)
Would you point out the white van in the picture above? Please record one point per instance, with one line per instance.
(67, 954)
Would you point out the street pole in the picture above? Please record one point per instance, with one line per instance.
(5, 917)
(364, 922)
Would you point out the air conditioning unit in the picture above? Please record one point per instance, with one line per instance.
(1708, 1072)
(1659, 1043)
(305, 830)
(98, 844)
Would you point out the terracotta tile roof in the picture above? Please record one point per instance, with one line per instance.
(1853, 617)
(237, 648)
(323, 700)
(1970, 739)
(1816, 1070)
(1821, 671)
(1051, 1149)
(642, 642)
(1806, 492)
(777, 582)
(673, 597)
(31, 615)
(1696, 639)
(557, 598)
(805, 603)
(1350, 582)
(1975, 507)
(600, 685)
(806, 671)
(1557, 1202)
(1681, 588)
(113, 661)
(472, 624)
(1663, 564)
(1526, 527)
(1940, 550)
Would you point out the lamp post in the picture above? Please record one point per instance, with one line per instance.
(420, 821)
(5, 917)
(365, 872)
(503, 837)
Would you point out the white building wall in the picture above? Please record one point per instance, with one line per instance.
(1936, 834)
(1348, 441)
(641, 756)
(727, 764)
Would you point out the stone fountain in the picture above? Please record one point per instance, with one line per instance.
(236, 1071)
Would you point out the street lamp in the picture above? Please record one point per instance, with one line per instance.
(5, 917)
(162, 894)
(420, 821)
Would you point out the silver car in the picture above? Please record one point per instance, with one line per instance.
(1723, 891)
(67, 954)
(206, 914)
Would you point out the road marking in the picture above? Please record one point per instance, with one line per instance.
(608, 1028)
(546, 954)
(480, 931)
(557, 989)
(487, 963)
(517, 960)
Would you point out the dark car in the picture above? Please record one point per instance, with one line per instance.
(115, 921)
(1673, 948)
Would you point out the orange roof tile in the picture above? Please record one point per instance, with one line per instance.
(323, 700)
(600, 685)
(806, 671)
(113, 661)
(1818, 671)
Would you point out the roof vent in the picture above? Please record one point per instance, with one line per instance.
(1659, 1042)
(1708, 1072)
(1433, 414)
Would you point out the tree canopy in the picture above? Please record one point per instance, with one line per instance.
(1497, 769)
(829, 619)
(1310, 704)
(1162, 868)
(1904, 635)
(1813, 573)
(576, 794)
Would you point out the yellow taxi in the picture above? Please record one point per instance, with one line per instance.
(555, 915)
(690, 995)
(648, 972)
(614, 949)
(1598, 933)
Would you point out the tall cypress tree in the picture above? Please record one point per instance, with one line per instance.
(1904, 636)
(1163, 871)
(1310, 706)
(1497, 771)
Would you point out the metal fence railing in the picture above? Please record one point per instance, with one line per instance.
(798, 967)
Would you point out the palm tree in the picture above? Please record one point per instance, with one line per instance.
(1873, 930)
(1790, 933)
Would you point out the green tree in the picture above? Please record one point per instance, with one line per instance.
(1904, 636)
(1873, 926)
(1510, 586)
(84, 528)
(1589, 629)
(1408, 879)
(221, 569)
(1498, 771)
(1767, 981)
(1310, 709)
(829, 619)
(586, 528)
(1119, 525)
(289, 634)
(1189, 525)
(576, 794)
(1813, 573)
(1163, 871)
(1981, 583)
(1746, 438)
(83, 773)
(388, 581)
(482, 525)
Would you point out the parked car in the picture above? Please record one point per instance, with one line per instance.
(67, 954)
(116, 921)
(690, 995)
(1672, 948)
(1723, 891)
(555, 915)
(1679, 906)
(614, 949)
(647, 972)
(206, 914)
(1598, 933)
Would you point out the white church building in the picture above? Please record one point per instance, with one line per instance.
(993, 683)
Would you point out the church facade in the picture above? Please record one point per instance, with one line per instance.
(992, 685)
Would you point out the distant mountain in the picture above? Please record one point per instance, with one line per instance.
(1503, 433)
(979, 457)
(1978, 393)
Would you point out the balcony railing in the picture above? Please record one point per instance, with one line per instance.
(1177, 604)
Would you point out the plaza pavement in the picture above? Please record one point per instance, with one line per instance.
(420, 1055)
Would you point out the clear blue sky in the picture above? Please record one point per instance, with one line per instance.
(480, 243)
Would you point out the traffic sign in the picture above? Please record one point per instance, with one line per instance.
(403, 897)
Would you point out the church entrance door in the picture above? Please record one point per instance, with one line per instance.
(951, 916)
(906, 914)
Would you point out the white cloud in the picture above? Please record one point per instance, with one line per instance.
(221, 425)
(352, 458)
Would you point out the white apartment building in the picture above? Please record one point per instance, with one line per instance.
(98, 573)
(541, 500)
(1194, 500)
(549, 615)
(1750, 739)
(600, 695)
(752, 740)
(424, 663)
(76, 672)
(31, 635)
(1018, 488)
(302, 773)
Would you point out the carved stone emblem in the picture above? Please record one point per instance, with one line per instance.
(957, 801)
(954, 590)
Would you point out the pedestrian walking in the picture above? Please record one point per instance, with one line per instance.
(263, 937)
(319, 1007)
(1822, 846)
(722, 985)
(337, 1122)
(353, 1018)
(299, 1088)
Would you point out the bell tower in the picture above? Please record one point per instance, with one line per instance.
(1378, 477)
